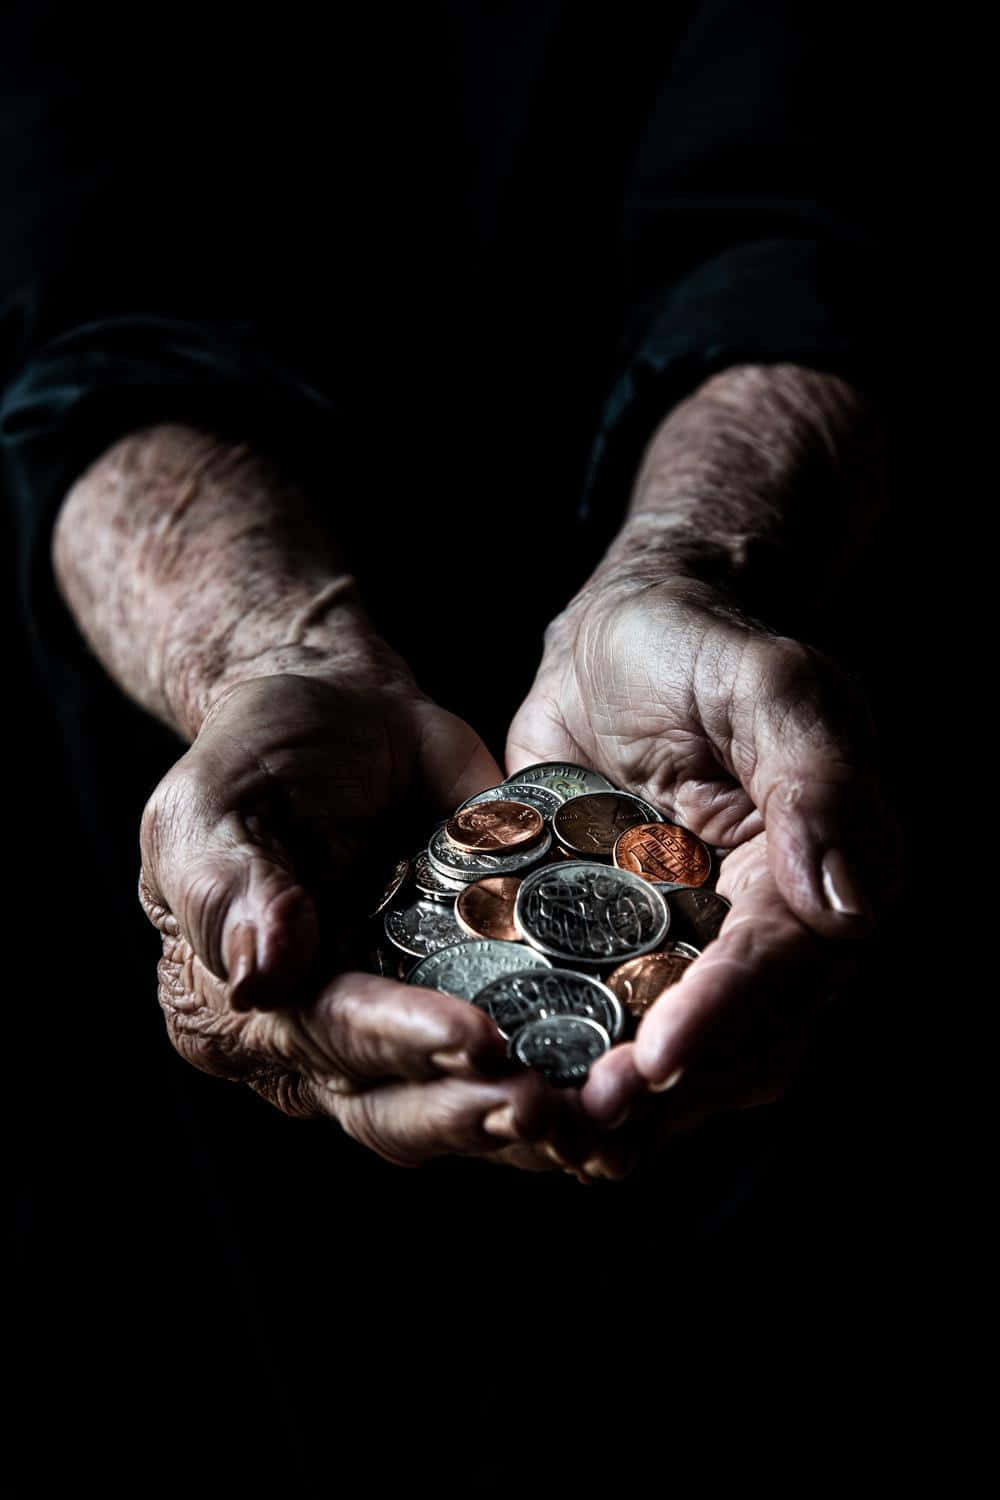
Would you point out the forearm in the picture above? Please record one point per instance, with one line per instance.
(191, 564)
(763, 484)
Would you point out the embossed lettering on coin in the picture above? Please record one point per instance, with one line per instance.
(641, 981)
(422, 927)
(696, 915)
(466, 968)
(430, 883)
(586, 913)
(564, 778)
(663, 851)
(495, 826)
(459, 864)
(485, 909)
(514, 791)
(591, 824)
(561, 1047)
(515, 999)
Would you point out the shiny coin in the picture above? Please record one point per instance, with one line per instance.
(466, 968)
(563, 777)
(591, 824)
(459, 864)
(583, 913)
(397, 879)
(429, 883)
(514, 791)
(663, 851)
(485, 909)
(515, 999)
(422, 927)
(696, 915)
(495, 827)
(641, 981)
(561, 1047)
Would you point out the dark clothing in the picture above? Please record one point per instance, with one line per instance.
(451, 267)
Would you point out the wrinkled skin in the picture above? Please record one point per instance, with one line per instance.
(290, 804)
(762, 747)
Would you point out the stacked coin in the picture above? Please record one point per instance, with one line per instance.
(558, 904)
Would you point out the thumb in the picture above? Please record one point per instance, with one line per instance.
(224, 888)
(831, 837)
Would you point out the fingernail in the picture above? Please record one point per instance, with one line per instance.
(840, 886)
(669, 1082)
(501, 1122)
(452, 1062)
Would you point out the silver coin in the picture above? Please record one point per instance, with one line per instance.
(432, 884)
(422, 927)
(564, 778)
(561, 1047)
(459, 864)
(584, 913)
(515, 999)
(466, 968)
(516, 791)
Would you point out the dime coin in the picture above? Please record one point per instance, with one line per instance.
(495, 827)
(466, 968)
(515, 791)
(584, 913)
(696, 915)
(515, 999)
(563, 777)
(401, 870)
(591, 824)
(640, 981)
(458, 864)
(561, 1047)
(422, 927)
(485, 909)
(429, 883)
(664, 851)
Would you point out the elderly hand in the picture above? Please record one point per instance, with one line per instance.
(758, 744)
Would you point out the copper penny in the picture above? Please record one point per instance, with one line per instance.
(663, 851)
(641, 981)
(488, 826)
(590, 825)
(486, 908)
(696, 915)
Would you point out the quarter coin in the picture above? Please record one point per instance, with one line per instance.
(460, 864)
(518, 791)
(591, 824)
(495, 827)
(581, 913)
(485, 909)
(422, 927)
(664, 852)
(466, 968)
(563, 777)
(561, 1047)
(515, 999)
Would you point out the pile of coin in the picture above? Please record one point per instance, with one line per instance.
(560, 905)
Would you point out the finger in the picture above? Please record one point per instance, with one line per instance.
(812, 774)
(765, 975)
(456, 761)
(411, 1123)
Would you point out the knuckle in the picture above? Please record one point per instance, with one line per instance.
(287, 1091)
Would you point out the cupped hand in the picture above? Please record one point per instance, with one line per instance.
(760, 746)
(263, 850)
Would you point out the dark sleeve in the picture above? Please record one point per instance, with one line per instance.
(752, 225)
(147, 273)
